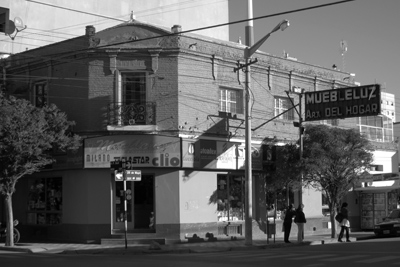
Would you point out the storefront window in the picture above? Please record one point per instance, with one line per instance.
(230, 197)
(393, 201)
(45, 201)
(278, 201)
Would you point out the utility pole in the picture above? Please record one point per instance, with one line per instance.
(248, 166)
(248, 52)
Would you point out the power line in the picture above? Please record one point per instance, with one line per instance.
(118, 18)
(231, 23)
(74, 10)
(208, 27)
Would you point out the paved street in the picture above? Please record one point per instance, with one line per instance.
(371, 252)
(363, 253)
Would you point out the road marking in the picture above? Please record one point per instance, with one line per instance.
(253, 255)
(340, 258)
(312, 257)
(271, 256)
(379, 259)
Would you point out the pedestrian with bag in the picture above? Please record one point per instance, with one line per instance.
(345, 224)
(287, 222)
(300, 220)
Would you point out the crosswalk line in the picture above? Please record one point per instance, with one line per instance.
(374, 260)
(341, 258)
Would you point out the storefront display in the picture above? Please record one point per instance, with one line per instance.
(376, 206)
(45, 201)
(230, 198)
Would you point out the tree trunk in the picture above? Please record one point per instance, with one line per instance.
(10, 221)
(332, 211)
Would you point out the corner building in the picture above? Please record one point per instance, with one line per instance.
(172, 107)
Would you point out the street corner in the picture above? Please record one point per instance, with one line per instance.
(26, 249)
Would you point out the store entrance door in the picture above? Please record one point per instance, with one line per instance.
(140, 204)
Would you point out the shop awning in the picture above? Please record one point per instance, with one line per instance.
(380, 186)
(377, 189)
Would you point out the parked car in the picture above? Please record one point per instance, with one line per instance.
(390, 225)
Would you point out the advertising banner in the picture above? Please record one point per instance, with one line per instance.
(138, 151)
(343, 103)
(212, 154)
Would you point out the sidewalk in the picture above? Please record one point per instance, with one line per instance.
(200, 247)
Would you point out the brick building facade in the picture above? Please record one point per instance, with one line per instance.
(170, 105)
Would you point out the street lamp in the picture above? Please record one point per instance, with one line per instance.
(248, 52)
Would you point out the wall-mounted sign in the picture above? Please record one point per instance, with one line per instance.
(343, 103)
(133, 175)
(212, 154)
(136, 150)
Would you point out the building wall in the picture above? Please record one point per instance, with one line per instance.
(196, 189)
(186, 87)
(388, 105)
(396, 133)
(387, 159)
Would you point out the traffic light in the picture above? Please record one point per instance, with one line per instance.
(269, 158)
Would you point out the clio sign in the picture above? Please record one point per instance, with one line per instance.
(343, 103)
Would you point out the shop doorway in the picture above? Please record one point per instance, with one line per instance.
(140, 205)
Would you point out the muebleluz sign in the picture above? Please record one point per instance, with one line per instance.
(343, 103)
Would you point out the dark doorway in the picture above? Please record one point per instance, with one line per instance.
(143, 202)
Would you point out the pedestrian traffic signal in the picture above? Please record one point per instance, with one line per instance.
(269, 158)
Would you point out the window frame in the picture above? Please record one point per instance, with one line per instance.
(45, 201)
(280, 108)
(226, 104)
(142, 93)
(44, 95)
(230, 197)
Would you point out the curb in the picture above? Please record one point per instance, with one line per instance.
(172, 249)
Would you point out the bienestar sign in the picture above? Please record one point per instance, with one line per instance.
(343, 103)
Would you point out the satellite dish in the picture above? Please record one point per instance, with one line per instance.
(11, 27)
(19, 24)
(16, 25)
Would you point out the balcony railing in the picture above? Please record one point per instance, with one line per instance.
(121, 114)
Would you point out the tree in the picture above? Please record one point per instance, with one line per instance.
(27, 136)
(333, 161)
(282, 171)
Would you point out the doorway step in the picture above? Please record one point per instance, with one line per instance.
(142, 238)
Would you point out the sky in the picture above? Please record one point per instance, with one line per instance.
(370, 28)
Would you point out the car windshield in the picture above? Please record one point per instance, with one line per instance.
(394, 214)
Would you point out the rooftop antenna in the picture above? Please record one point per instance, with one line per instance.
(343, 50)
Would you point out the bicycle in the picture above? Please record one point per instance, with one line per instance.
(3, 232)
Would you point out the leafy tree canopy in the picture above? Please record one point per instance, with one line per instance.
(288, 168)
(333, 160)
(27, 136)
